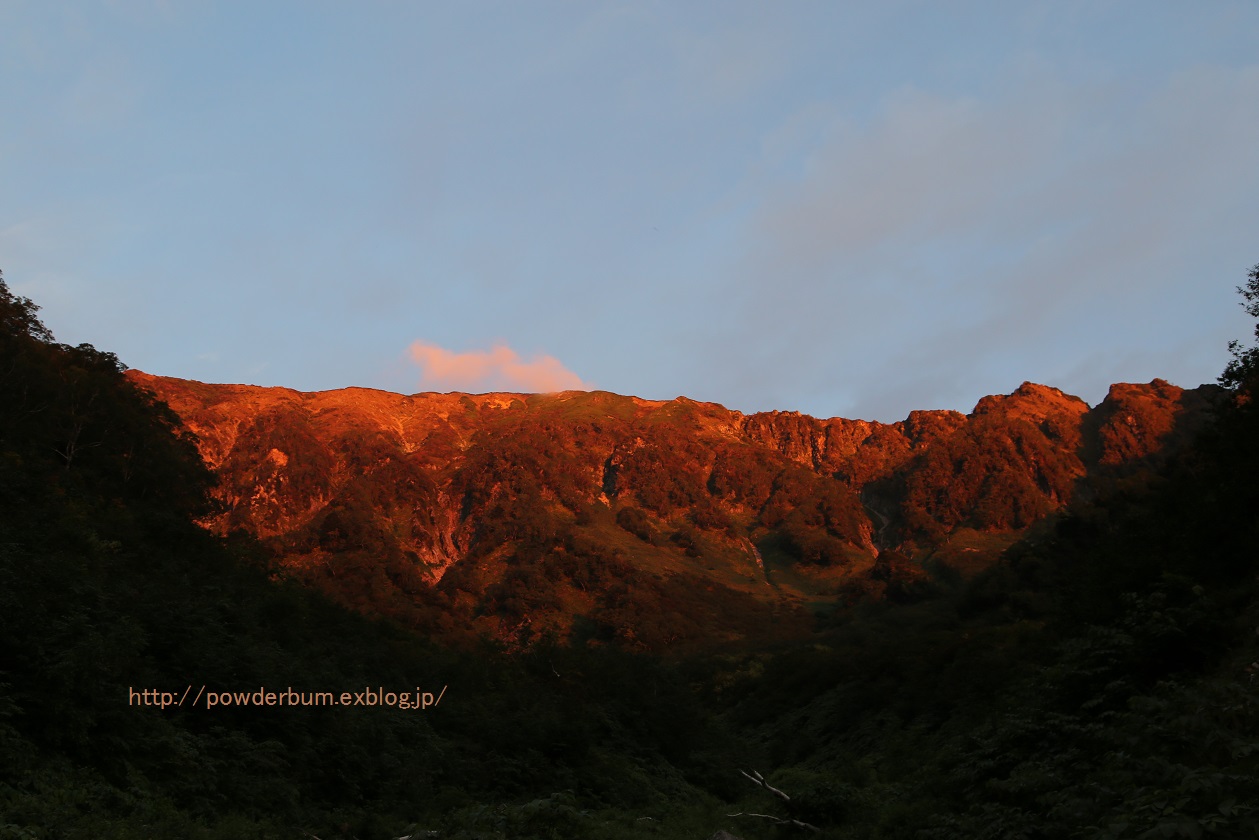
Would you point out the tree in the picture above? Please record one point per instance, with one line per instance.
(1243, 371)
(17, 315)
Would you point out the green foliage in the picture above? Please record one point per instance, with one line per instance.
(1243, 368)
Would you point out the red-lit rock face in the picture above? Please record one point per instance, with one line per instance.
(458, 488)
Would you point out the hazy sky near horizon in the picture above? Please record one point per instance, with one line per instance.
(851, 209)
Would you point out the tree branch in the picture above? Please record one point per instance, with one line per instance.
(778, 820)
(757, 779)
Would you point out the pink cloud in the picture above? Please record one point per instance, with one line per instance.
(497, 369)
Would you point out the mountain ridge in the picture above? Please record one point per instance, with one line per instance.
(494, 508)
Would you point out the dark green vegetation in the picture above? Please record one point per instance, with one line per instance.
(1098, 681)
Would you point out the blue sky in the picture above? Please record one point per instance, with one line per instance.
(837, 208)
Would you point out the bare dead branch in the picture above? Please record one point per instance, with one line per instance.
(778, 820)
(757, 779)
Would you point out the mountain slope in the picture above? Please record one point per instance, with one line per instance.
(594, 513)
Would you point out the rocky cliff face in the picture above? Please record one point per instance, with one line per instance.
(529, 511)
